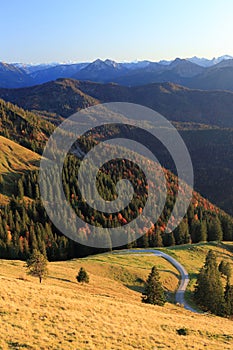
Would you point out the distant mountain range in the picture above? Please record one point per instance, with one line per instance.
(64, 97)
(194, 72)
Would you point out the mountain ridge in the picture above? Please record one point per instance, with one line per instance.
(181, 71)
(178, 103)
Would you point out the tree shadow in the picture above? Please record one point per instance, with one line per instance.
(61, 279)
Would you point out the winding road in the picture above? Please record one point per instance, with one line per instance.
(179, 297)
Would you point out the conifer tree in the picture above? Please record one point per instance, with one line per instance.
(225, 268)
(209, 290)
(181, 233)
(203, 232)
(20, 189)
(215, 230)
(227, 228)
(1, 183)
(154, 293)
(228, 299)
(82, 276)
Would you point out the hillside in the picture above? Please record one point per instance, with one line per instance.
(23, 127)
(25, 224)
(66, 96)
(14, 161)
(197, 112)
(107, 313)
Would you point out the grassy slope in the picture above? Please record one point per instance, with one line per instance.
(15, 159)
(107, 313)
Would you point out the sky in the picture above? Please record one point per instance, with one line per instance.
(122, 30)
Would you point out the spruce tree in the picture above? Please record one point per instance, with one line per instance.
(181, 233)
(1, 183)
(225, 269)
(82, 276)
(228, 299)
(227, 228)
(203, 232)
(215, 230)
(154, 293)
(20, 189)
(168, 239)
(209, 290)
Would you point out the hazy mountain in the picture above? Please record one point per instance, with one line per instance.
(205, 62)
(66, 96)
(55, 97)
(11, 76)
(58, 71)
(217, 77)
(193, 72)
(101, 71)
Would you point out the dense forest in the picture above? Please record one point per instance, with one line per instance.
(24, 224)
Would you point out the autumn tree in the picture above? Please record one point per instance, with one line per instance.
(154, 292)
(37, 265)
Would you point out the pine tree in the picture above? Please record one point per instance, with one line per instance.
(227, 228)
(82, 276)
(154, 293)
(203, 232)
(181, 233)
(20, 189)
(37, 265)
(1, 183)
(225, 268)
(209, 290)
(157, 239)
(228, 299)
(168, 239)
(215, 230)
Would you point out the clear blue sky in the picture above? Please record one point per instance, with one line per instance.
(123, 30)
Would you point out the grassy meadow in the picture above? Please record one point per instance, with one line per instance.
(107, 313)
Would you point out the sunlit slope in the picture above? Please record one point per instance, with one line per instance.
(106, 314)
(14, 160)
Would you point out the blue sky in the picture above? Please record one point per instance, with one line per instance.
(123, 30)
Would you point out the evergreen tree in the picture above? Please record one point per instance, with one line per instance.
(37, 265)
(82, 276)
(168, 239)
(203, 232)
(215, 230)
(181, 233)
(195, 231)
(157, 239)
(154, 293)
(225, 269)
(20, 189)
(1, 183)
(227, 228)
(209, 290)
(228, 299)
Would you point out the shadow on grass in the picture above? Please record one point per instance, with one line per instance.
(61, 279)
(135, 288)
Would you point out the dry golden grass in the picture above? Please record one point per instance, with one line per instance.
(106, 314)
(15, 159)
